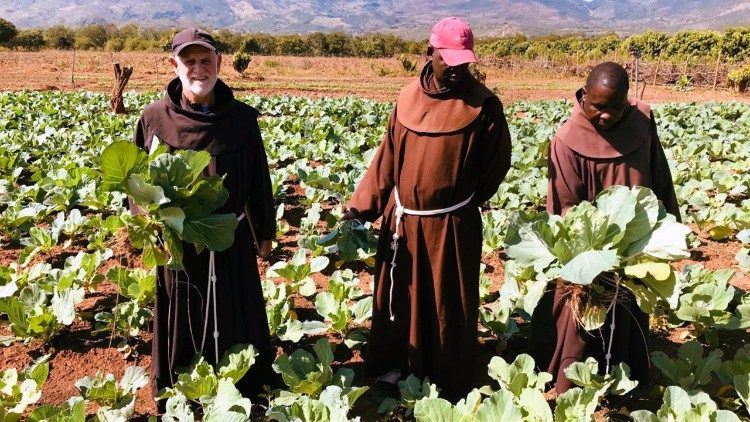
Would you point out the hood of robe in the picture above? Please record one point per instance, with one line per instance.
(627, 135)
(222, 127)
(423, 108)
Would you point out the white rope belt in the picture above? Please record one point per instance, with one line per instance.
(400, 211)
(211, 297)
(608, 355)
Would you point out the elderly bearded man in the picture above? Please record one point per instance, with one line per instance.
(199, 112)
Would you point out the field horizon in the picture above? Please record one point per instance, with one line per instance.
(373, 78)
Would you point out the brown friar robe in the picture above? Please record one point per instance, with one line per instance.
(440, 147)
(230, 132)
(582, 163)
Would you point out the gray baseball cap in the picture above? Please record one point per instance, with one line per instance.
(192, 36)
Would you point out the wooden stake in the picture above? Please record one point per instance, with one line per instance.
(121, 79)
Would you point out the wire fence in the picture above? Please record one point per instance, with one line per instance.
(705, 73)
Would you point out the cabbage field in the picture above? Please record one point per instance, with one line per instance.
(76, 280)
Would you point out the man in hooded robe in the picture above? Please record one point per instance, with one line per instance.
(199, 112)
(608, 140)
(446, 150)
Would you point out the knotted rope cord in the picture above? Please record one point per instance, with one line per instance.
(211, 297)
(400, 212)
(612, 307)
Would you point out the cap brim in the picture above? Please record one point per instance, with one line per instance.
(457, 57)
(187, 44)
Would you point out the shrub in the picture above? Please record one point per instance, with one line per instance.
(8, 31)
(30, 40)
(406, 64)
(240, 62)
(59, 37)
(739, 78)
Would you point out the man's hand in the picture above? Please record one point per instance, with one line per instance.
(265, 248)
(351, 214)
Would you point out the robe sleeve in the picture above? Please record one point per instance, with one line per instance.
(565, 188)
(495, 151)
(661, 176)
(139, 136)
(372, 194)
(260, 196)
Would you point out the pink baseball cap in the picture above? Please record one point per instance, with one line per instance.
(453, 37)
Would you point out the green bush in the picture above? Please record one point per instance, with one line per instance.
(114, 44)
(739, 78)
(651, 44)
(29, 40)
(406, 64)
(59, 37)
(504, 47)
(139, 44)
(92, 37)
(8, 31)
(694, 44)
(240, 62)
(227, 40)
(608, 43)
(735, 44)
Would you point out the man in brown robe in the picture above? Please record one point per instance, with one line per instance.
(608, 140)
(447, 146)
(199, 112)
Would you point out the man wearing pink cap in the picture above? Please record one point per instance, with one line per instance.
(446, 150)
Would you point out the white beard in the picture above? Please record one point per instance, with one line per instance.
(198, 88)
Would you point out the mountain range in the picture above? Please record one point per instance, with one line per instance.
(410, 18)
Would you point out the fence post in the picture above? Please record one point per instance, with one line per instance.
(637, 61)
(716, 71)
(73, 70)
(636, 53)
(656, 74)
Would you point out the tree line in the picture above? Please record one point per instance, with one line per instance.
(131, 37)
(732, 45)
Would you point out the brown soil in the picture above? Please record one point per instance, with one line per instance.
(379, 79)
(717, 255)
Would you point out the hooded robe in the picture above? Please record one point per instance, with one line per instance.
(583, 162)
(440, 147)
(229, 131)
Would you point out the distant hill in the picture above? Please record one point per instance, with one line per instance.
(411, 18)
